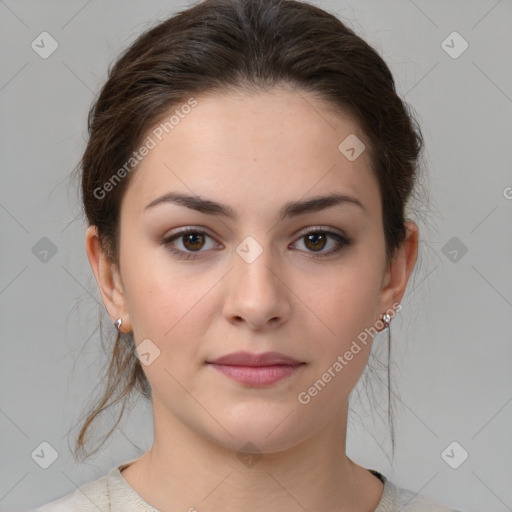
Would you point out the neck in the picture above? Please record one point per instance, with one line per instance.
(184, 470)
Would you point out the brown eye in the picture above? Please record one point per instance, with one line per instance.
(193, 241)
(316, 241)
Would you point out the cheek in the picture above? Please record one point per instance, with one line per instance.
(167, 303)
(345, 306)
(162, 304)
(343, 302)
(341, 338)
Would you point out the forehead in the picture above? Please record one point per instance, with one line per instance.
(242, 148)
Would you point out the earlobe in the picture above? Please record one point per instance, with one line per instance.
(107, 277)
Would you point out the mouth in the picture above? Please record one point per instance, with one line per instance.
(256, 370)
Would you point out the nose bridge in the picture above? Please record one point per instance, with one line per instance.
(255, 264)
(256, 289)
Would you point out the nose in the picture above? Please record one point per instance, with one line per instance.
(257, 293)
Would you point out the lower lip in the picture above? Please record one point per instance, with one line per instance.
(257, 376)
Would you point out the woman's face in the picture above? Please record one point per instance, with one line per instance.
(249, 278)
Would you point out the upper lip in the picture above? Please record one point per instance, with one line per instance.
(252, 359)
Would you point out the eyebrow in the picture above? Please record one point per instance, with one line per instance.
(290, 209)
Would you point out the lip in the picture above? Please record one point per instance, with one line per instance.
(256, 370)
(255, 360)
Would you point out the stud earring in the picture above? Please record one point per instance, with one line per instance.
(118, 323)
(386, 318)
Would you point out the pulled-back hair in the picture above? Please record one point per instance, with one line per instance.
(247, 45)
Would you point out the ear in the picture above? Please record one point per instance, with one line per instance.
(397, 275)
(108, 279)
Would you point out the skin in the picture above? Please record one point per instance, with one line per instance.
(253, 152)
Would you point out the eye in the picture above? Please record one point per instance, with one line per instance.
(191, 239)
(317, 239)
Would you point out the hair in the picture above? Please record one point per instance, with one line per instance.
(244, 45)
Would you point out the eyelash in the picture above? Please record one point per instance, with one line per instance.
(342, 242)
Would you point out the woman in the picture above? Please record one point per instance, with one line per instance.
(245, 183)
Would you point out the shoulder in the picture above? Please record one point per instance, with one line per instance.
(408, 501)
(92, 496)
(395, 498)
(110, 493)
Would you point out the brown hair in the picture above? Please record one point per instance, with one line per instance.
(251, 45)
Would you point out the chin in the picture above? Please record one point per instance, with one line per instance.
(260, 429)
(257, 442)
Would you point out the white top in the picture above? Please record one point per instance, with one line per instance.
(112, 493)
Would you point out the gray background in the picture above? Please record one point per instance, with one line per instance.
(452, 340)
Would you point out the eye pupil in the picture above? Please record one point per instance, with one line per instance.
(314, 238)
